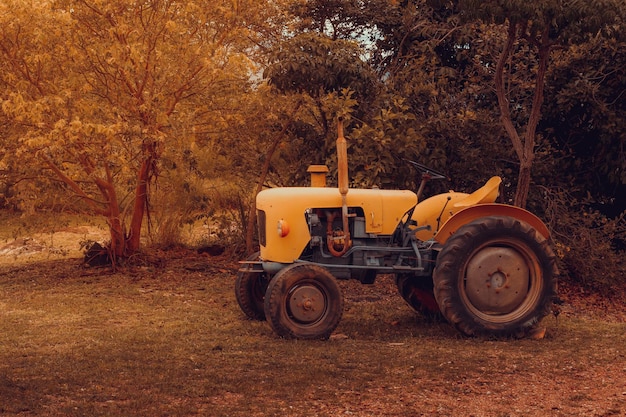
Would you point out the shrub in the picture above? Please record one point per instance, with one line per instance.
(588, 243)
(199, 212)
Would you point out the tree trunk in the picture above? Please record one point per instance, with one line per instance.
(118, 241)
(523, 185)
(524, 146)
(109, 207)
(501, 93)
(133, 241)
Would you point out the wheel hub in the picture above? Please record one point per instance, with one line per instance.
(497, 280)
(307, 304)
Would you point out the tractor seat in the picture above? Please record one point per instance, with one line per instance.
(485, 194)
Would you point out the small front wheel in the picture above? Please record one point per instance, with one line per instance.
(303, 301)
(250, 288)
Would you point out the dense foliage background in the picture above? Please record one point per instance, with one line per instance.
(182, 110)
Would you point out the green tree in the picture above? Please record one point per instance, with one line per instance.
(341, 19)
(314, 64)
(426, 57)
(328, 59)
(532, 30)
(587, 119)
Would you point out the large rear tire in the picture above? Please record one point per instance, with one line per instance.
(495, 276)
(303, 301)
(250, 288)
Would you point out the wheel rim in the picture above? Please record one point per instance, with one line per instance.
(502, 281)
(307, 304)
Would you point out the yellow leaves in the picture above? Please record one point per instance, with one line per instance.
(60, 124)
(171, 26)
(76, 125)
(240, 64)
(561, 250)
(467, 114)
(14, 105)
(162, 119)
(93, 82)
(340, 104)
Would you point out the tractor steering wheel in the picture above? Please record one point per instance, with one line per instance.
(434, 175)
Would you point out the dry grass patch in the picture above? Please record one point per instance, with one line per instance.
(171, 341)
(46, 236)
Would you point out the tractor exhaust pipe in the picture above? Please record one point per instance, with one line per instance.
(342, 160)
(342, 182)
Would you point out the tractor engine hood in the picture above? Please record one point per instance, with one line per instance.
(382, 209)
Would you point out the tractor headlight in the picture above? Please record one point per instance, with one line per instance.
(282, 228)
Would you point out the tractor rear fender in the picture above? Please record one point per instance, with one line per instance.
(483, 210)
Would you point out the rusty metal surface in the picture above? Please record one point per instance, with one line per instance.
(307, 304)
(483, 210)
(497, 280)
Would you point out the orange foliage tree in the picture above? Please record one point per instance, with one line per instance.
(95, 91)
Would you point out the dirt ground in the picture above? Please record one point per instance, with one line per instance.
(584, 386)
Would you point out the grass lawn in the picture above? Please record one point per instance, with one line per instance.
(168, 339)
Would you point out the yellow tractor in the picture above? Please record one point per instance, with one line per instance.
(488, 268)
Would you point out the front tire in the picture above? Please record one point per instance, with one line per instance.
(250, 290)
(495, 276)
(303, 301)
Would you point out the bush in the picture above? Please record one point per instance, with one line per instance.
(590, 246)
(199, 213)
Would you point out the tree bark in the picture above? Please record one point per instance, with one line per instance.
(524, 179)
(109, 207)
(503, 102)
(117, 247)
(524, 146)
(133, 241)
(523, 184)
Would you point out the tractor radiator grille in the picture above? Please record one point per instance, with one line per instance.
(261, 224)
